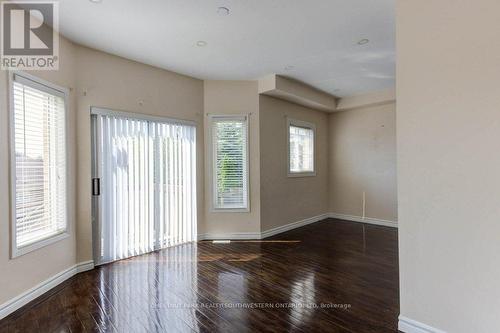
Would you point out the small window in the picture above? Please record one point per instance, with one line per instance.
(38, 155)
(300, 148)
(229, 137)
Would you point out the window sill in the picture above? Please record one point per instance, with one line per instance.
(230, 210)
(17, 252)
(301, 174)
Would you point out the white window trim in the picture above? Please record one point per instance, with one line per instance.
(212, 166)
(48, 87)
(304, 124)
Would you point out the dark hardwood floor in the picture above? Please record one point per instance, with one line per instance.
(331, 276)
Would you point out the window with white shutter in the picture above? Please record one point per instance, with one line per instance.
(300, 148)
(38, 155)
(229, 138)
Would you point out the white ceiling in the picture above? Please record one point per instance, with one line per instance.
(259, 37)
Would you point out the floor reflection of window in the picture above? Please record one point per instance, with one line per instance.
(303, 297)
(232, 289)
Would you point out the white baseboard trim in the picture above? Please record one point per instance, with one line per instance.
(368, 220)
(38, 290)
(264, 234)
(293, 225)
(84, 266)
(408, 325)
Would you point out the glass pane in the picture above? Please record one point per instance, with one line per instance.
(301, 142)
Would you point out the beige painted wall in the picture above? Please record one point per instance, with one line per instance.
(448, 132)
(290, 199)
(362, 158)
(117, 83)
(236, 98)
(22, 273)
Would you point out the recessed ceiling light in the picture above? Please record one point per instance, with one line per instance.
(289, 68)
(223, 11)
(201, 43)
(363, 41)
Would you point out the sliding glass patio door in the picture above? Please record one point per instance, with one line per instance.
(144, 184)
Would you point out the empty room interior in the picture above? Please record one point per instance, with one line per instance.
(250, 166)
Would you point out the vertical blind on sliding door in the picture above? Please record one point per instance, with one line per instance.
(147, 172)
(175, 179)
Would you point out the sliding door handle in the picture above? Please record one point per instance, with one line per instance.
(96, 186)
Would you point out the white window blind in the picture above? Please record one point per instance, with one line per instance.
(39, 158)
(301, 148)
(230, 162)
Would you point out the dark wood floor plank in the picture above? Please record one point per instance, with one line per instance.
(274, 285)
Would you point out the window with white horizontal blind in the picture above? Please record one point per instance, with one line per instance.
(230, 162)
(38, 164)
(300, 148)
